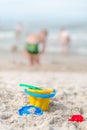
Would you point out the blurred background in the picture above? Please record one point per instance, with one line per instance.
(30, 16)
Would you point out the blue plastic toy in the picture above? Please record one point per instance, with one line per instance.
(30, 110)
(41, 95)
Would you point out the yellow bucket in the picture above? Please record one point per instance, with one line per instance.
(42, 103)
(40, 98)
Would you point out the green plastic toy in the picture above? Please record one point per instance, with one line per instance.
(30, 86)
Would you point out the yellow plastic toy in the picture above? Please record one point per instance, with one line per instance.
(41, 91)
(40, 98)
(40, 102)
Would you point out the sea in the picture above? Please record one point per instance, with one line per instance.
(77, 32)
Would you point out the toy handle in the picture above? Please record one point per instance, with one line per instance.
(29, 86)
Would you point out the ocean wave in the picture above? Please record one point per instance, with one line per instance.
(73, 36)
(7, 34)
(78, 41)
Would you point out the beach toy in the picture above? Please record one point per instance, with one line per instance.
(30, 86)
(76, 118)
(30, 110)
(40, 98)
(41, 91)
(34, 88)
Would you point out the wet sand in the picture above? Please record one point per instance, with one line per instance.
(49, 62)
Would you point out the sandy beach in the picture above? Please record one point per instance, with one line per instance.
(43, 43)
(68, 77)
(71, 98)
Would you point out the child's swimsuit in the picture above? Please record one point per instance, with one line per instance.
(32, 48)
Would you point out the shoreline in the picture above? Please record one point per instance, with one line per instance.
(49, 62)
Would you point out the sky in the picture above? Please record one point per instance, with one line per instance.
(44, 9)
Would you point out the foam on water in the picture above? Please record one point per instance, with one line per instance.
(78, 41)
(6, 34)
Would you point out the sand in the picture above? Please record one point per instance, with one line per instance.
(49, 62)
(71, 98)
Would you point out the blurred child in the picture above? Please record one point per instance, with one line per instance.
(32, 46)
(18, 33)
(18, 30)
(64, 41)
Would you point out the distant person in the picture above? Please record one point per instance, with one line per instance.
(18, 30)
(64, 38)
(18, 33)
(32, 46)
